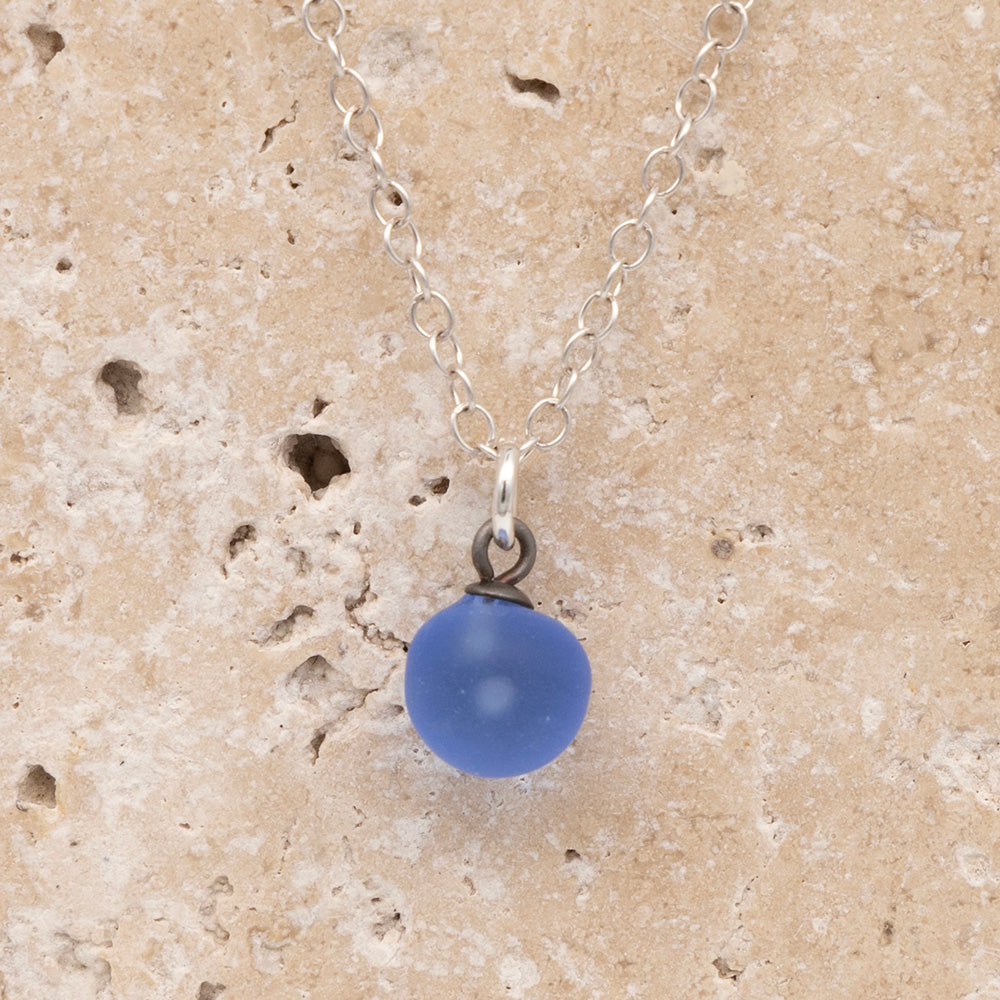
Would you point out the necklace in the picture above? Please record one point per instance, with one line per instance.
(494, 687)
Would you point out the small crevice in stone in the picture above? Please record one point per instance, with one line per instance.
(47, 41)
(724, 970)
(385, 918)
(315, 457)
(331, 690)
(542, 89)
(64, 264)
(269, 132)
(389, 922)
(299, 558)
(210, 991)
(36, 788)
(757, 533)
(383, 638)
(439, 486)
(282, 629)
(315, 678)
(124, 378)
(316, 742)
(241, 539)
(351, 604)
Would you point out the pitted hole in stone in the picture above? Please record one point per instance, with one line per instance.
(281, 630)
(36, 788)
(758, 533)
(319, 404)
(221, 886)
(724, 970)
(722, 548)
(316, 742)
(64, 264)
(124, 378)
(299, 558)
(572, 855)
(241, 538)
(47, 41)
(210, 991)
(316, 458)
(416, 500)
(542, 89)
(706, 156)
(439, 486)
(311, 678)
(387, 918)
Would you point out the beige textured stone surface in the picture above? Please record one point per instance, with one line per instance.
(776, 524)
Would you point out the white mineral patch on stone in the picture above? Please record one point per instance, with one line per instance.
(872, 714)
(975, 16)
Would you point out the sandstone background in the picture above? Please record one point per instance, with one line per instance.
(774, 524)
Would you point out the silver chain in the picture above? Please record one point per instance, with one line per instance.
(663, 173)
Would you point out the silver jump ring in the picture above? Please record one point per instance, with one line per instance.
(587, 337)
(404, 203)
(431, 296)
(730, 7)
(706, 81)
(363, 145)
(651, 196)
(712, 45)
(504, 511)
(460, 437)
(648, 165)
(393, 253)
(307, 21)
(560, 434)
(459, 378)
(366, 98)
(631, 265)
(581, 319)
(445, 366)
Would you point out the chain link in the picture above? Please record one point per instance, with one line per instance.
(663, 172)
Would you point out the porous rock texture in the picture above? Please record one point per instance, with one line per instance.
(230, 496)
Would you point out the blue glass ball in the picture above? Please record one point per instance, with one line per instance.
(494, 688)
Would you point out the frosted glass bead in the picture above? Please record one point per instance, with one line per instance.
(494, 688)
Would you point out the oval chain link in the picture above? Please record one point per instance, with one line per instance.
(663, 172)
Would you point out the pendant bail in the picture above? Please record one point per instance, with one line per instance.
(504, 512)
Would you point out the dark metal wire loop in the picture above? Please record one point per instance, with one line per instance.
(528, 549)
(503, 586)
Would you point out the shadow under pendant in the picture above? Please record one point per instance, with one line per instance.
(492, 686)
